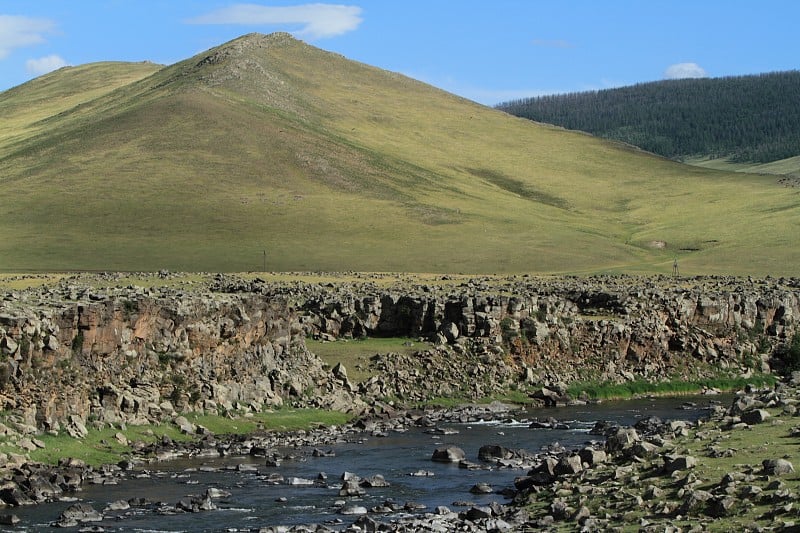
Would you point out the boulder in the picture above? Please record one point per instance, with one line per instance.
(448, 454)
(376, 481)
(481, 488)
(351, 487)
(478, 513)
(493, 452)
(79, 513)
(621, 438)
(353, 510)
(9, 519)
(568, 466)
(550, 397)
(777, 467)
(186, 427)
(592, 456)
(674, 463)
(754, 416)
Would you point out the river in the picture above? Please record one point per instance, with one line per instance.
(256, 502)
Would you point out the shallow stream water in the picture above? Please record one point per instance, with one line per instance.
(254, 502)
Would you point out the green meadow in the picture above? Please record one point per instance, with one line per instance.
(269, 154)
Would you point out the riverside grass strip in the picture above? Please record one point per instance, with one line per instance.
(102, 446)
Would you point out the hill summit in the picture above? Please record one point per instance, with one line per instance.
(268, 153)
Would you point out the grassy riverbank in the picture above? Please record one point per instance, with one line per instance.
(632, 389)
(110, 444)
(728, 488)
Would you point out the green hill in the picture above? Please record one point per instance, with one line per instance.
(266, 144)
(746, 121)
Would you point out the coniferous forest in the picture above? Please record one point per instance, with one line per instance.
(747, 119)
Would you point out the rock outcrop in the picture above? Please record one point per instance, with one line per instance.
(73, 357)
(75, 354)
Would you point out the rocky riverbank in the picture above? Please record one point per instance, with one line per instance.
(88, 352)
(733, 469)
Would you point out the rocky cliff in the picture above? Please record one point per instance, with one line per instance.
(74, 355)
(494, 333)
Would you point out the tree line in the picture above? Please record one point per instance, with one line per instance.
(753, 119)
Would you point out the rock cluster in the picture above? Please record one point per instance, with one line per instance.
(566, 329)
(76, 355)
(73, 357)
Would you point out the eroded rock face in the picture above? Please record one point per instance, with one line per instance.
(72, 356)
(611, 328)
(138, 356)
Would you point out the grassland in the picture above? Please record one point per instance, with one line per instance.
(355, 354)
(330, 165)
(789, 166)
(638, 388)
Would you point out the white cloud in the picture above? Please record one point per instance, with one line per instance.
(43, 65)
(17, 31)
(317, 20)
(685, 70)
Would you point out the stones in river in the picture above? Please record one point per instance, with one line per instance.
(448, 454)
(119, 505)
(481, 488)
(353, 510)
(299, 481)
(351, 487)
(78, 513)
(375, 481)
(9, 519)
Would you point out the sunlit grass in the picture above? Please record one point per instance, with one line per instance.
(364, 171)
(101, 446)
(630, 389)
(355, 354)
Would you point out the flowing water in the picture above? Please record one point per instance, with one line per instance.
(255, 502)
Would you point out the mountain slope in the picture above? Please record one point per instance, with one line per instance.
(266, 144)
(746, 119)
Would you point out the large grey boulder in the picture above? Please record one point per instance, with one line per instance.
(78, 513)
(621, 439)
(673, 463)
(754, 416)
(448, 454)
(777, 467)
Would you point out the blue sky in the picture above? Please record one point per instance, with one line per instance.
(488, 51)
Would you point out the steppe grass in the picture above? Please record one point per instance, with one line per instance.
(789, 166)
(675, 387)
(355, 354)
(366, 171)
(101, 446)
(745, 447)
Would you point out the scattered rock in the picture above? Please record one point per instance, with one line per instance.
(448, 454)
(777, 467)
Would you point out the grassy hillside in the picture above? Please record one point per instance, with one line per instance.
(783, 167)
(268, 144)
